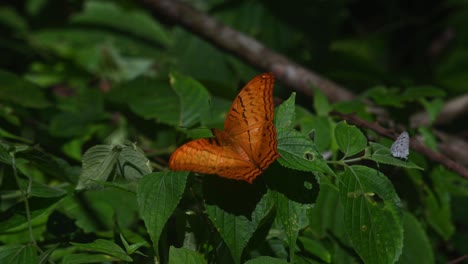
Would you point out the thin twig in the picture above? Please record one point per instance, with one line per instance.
(248, 49)
(256, 54)
(432, 155)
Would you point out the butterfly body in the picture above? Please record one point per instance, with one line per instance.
(248, 143)
(400, 148)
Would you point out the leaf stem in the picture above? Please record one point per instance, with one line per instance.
(25, 194)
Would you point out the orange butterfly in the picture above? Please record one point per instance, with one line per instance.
(248, 143)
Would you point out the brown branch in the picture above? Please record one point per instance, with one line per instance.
(414, 144)
(248, 49)
(288, 72)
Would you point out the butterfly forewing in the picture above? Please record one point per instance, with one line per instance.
(250, 120)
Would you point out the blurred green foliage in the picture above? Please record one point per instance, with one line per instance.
(95, 96)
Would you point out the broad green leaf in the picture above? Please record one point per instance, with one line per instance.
(236, 230)
(149, 98)
(103, 161)
(84, 47)
(41, 190)
(436, 202)
(433, 108)
(116, 206)
(321, 219)
(82, 258)
(298, 152)
(99, 163)
(315, 248)
(4, 155)
(417, 248)
(194, 100)
(184, 255)
(292, 216)
(132, 248)
(158, 195)
(133, 21)
(19, 91)
(68, 124)
(429, 137)
(286, 113)
(133, 162)
(104, 246)
(321, 105)
(195, 53)
(46, 163)
(326, 217)
(18, 254)
(371, 214)
(414, 93)
(385, 96)
(350, 139)
(322, 130)
(354, 107)
(381, 154)
(266, 260)
(10, 18)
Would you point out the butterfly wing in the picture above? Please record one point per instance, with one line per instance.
(248, 144)
(249, 122)
(208, 156)
(400, 148)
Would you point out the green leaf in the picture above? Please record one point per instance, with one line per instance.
(133, 162)
(436, 199)
(11, 19)
(18, 254)
(292, 216)
(132, 21)
(417, 247)
(315, 248)
(158, 195)
(350, 139)
(102, 161)
(87, 258)
(5, 155)
(236, 230)
(266, 260)
(433, 107)
(194, 100)
(322, 128)
(41, 190)
(106, 247)
(321, 105)
(371, 214)
(385, 96)
(381, 154)
(298, 152)
(185, 255)
(19, 91)
(98, 164)
(286, 113)
(14, 219)
(414, 93)
(149, 98)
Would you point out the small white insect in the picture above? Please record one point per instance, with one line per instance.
(400, 148)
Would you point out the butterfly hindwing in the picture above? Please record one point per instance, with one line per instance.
(207, 156)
